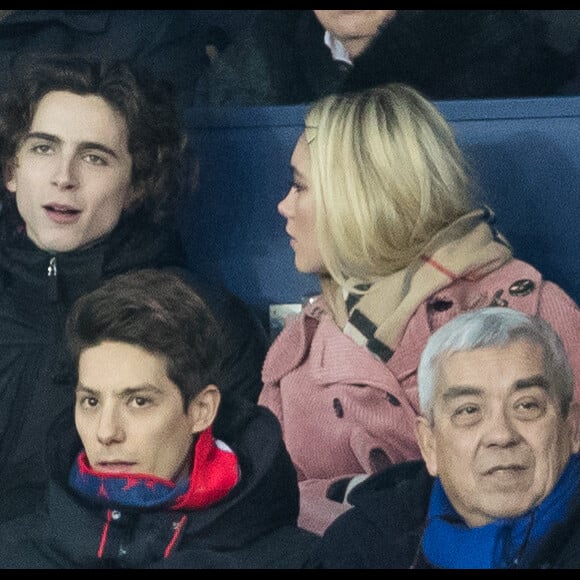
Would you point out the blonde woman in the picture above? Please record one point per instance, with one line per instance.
(382, 207)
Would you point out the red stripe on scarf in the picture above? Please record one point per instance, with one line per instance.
(215, 472)
(435, 264)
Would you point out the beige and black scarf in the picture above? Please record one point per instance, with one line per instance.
(376, 318)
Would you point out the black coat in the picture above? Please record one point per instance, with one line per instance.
(252, 527)
(170, 43)
(385, 527)
(281, 59)
(37, 381)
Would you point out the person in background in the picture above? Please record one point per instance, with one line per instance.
(286, 57)
(91, 154)
(216, 41)
(169, 43)
(563, 30)
(499, 483)
(167, 472)
(384, 210)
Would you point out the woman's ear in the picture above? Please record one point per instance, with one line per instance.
(203, 408)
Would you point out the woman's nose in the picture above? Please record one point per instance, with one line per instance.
(285, 205)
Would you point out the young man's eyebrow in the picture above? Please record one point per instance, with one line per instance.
(41, 135)
(82, 388)
(83, 145)
(144, 388)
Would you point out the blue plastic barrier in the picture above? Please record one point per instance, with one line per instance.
(526, 152)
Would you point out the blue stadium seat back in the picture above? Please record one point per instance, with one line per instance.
(525, 153)
(232, 229)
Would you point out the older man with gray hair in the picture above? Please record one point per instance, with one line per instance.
(499, 484)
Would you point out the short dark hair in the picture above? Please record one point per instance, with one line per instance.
(148, 105)
(158, 311)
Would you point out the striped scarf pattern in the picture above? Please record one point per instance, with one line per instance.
(376, 315)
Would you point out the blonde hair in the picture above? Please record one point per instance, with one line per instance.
(387, 175)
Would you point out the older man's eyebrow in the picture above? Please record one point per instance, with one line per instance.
(460, 391)
(83, 145)
(457, 391)
(535, 381)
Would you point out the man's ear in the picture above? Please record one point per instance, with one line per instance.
(574, 420)
(134, 198)
(427, 444)
(203, 408)
(9, 175)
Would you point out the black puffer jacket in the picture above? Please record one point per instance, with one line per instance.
(170, 43)
(281, 59)
(37, 382)
(252, 527)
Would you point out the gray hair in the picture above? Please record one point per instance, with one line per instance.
(491, 327)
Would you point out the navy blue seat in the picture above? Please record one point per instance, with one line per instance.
(525, 151)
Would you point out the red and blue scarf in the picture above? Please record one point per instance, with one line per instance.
(215, 471)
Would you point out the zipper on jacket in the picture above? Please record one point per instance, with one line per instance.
(104, 534)
(177, 528)
(52, 280)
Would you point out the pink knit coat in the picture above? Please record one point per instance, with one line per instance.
(344, 412)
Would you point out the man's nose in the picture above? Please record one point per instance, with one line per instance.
(65, 174)
(110, 429)
(501, 429)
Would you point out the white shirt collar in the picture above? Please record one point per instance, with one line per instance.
(337, 49)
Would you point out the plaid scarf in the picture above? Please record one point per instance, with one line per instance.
(376, 318)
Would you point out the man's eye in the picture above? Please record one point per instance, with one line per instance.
(141, 402)
(530, 409)
(467, 410)
(465, 415)
(95, 159)
(42, 149)
(88, 402)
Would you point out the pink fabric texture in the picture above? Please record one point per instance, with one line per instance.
(344, 412)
